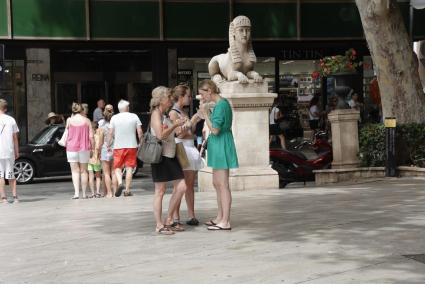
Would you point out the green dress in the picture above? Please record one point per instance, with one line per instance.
(221, 147)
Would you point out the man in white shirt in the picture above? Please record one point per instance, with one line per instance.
(124, 127)
(9, 151)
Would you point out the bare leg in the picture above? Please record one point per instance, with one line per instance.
(114, 178)
(216, 184)
(107, 178)
(128, 178)
(118, 175)
(157, 203)
(12, 183)
(226, 197)
(176, 197)
(189, 177)
(98, 182)
(91, 182)
(84, 178)
(2, 192)
(75, 170)
(282, 141)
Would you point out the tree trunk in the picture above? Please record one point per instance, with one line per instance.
(395, 62)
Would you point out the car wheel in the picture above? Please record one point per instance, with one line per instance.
(24, 171)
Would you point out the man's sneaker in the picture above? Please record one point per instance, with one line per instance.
(15, 199)
(119, 190)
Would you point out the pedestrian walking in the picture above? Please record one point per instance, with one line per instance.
(186, 135)
(124, 127)
(9, 151)
(169, 168)
(94, 166)
(106, 154)
(98, 112)
(221, 154)
(274, 128)
(79, 145)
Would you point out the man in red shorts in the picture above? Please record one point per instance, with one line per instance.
(124, 127)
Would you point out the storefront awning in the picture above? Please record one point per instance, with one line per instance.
(418, 4)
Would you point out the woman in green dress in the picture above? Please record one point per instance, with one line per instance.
(221, 151)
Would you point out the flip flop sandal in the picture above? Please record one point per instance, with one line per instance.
(210, 223)
(218, 228)
(193, 222)
(164, 231)
(175, 228)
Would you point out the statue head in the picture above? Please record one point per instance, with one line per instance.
(240, 32)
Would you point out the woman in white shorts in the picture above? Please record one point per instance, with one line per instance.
(106, 154)
(185, 134)
(78, 147)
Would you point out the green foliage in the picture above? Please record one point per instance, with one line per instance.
(410, 146)
(372, 145)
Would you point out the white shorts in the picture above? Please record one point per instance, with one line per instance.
(82, 157)
(195, 160)
(6, 168)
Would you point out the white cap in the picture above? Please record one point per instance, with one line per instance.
(122, 105)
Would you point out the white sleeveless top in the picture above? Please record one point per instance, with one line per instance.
(168, 144)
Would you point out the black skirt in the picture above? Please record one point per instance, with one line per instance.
(168, 169)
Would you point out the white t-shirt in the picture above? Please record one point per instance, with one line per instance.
(313, 109)
(125, 129)
(7, 128)
(273, 113)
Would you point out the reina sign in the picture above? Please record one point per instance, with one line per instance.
(302, 54)
(40, 77)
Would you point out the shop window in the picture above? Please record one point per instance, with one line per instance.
(296, 89)
(13, 91)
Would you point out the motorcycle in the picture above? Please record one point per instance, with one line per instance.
(298, 164)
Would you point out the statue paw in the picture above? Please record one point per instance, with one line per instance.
(217, 78)
(258, 79)
(243, 79)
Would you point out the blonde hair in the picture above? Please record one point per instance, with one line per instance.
(76, 108)
(3, 104)
(107, 114)
(211, 85)
(179, 91)
(158, 94)
(85, 108)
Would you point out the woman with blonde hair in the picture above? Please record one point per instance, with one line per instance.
(106, 154)
(185, 135)
(79, 145)
(169, 168)
(221, 154)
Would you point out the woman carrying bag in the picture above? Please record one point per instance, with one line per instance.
(168, 169)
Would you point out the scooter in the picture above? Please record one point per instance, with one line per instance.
(298, 164)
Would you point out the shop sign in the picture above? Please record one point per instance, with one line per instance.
(40, 77)
(302, 54)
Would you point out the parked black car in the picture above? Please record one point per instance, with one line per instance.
(43, 157)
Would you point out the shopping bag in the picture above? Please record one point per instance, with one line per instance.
(182, 156)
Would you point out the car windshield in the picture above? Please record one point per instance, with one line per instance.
(44, 136)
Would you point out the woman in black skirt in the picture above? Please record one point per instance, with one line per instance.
(169, 168)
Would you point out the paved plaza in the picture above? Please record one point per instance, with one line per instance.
(338, 234)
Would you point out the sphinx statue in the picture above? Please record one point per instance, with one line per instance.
(238, 62)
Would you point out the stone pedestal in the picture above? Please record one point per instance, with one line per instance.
(250, 104)
(38, 89)
(345, 138)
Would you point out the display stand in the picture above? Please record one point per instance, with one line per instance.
(250, 105)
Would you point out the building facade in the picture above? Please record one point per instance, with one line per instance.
(60, 51)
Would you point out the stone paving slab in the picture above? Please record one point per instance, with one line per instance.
(340, 234)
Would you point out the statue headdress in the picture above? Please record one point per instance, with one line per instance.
(239, 21)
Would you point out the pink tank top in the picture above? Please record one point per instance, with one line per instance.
(78, 138)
